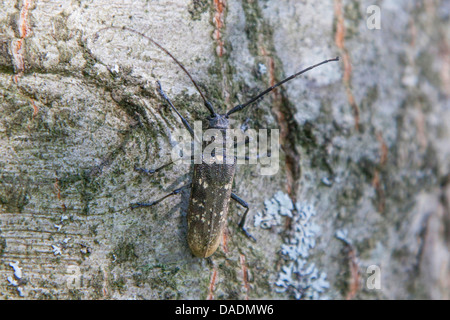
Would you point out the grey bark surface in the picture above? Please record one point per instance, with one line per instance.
(365, 143)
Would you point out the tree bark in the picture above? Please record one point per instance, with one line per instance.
(359, 209)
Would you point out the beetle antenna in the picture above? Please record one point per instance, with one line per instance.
(206, 102)
(239, 107)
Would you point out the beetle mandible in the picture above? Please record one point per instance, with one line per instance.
(211, 182)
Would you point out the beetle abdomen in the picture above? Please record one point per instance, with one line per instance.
(208, 206)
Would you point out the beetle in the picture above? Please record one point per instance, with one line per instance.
(211, 181)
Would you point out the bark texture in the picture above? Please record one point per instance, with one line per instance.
(365, 148)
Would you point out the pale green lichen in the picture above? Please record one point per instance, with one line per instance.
(298, 277)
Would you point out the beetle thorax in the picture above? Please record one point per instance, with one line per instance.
(219, 121)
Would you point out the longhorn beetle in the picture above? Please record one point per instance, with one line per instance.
(211, 182)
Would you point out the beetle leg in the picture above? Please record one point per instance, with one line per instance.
(149, 204)
(244, 217)
(152, 171)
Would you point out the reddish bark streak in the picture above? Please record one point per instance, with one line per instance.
(291, 158)
(376, 183)
(383, 149)
(23, 22)
(219, 14)
(355, 278)
(18, 45)
(244, 276)
(58, 194)
(35, 108)
(340, 43)
(212, 284)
